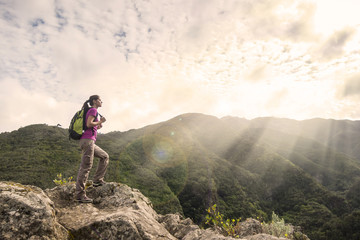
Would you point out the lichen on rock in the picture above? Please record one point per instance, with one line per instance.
(27, 213)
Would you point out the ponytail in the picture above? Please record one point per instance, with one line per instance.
(88, 103)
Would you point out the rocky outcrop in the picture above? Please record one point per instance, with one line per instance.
(118, 212)
(27, 213)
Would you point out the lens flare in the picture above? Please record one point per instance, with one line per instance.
(170, 159)
(162, 152)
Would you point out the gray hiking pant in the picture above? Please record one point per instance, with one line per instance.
(89, 151)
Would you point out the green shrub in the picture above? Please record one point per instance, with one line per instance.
(230, 227)
(277, 227)
(215, 219)
(60, 180)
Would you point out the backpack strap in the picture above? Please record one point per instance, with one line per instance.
(84, 120)
(92, 129)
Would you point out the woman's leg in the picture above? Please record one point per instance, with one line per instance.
(87, 147)
(103, 163)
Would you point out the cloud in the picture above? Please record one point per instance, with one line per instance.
(334, 46)
(151, 60)
(258, 73)
(22, 107)
(351, 86)
(286, 20)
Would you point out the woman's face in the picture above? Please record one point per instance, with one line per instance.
(97, 103)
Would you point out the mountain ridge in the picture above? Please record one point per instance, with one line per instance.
(191, 161)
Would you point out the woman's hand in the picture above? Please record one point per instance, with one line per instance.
(91, 121)
(102, 119)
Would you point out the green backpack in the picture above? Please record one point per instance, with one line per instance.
(77, 125)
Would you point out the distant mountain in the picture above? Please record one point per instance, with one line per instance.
(306, 171)
(341, 135)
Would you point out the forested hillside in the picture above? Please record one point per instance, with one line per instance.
(308, 172)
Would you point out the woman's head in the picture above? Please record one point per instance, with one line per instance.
(93, 101)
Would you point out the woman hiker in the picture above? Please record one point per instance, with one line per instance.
(90, 149)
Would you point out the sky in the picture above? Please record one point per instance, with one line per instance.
(151, 60)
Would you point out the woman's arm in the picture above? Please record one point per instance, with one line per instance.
(91, 121)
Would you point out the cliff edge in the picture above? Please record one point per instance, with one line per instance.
(118, 212)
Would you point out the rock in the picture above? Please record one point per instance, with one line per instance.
(27, 213)
(178, 227)
(248, 228)
(185, 229)
(118, 212)
(263, 237)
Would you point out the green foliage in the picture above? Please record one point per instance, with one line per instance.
(60, 180)
(249, 168)
(277, 227)
(353, 196)
(232, 227)
(33, 155)
(216, 219)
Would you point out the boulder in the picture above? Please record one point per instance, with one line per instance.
(118, 212)
(249, 227)
(263, 236)
(27, 213)
(185, 229)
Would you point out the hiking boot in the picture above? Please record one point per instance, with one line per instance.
(99, 183)
(84, 200)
